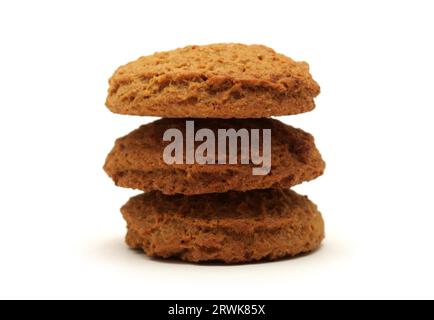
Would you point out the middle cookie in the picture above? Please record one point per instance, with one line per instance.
(196, 156)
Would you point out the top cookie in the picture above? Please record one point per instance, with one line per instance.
(218, 81)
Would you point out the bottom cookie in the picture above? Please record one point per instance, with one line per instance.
(232, 227)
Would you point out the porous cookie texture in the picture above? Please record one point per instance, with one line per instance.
(136, 161)
(232, 227)
(218, 80)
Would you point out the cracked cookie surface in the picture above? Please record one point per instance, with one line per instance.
(136, 160)
(232, 227)
(218, 80)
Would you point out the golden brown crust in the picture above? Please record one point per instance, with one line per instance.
(136, 161)
(231, 227)
(218, 80)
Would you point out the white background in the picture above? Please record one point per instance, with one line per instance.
(61, 234)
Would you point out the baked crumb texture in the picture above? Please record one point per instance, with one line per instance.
(213, 81)
(231, 227)
(136, 160)
(201, 213)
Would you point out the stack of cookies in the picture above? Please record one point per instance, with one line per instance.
(212, 210)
